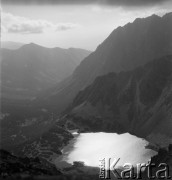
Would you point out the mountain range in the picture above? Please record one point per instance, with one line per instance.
(125, 85)
(126, 48)
(31, 69)
(137, 101)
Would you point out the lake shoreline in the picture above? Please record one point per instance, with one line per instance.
(64, 161)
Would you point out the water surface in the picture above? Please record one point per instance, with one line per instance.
(92, 147)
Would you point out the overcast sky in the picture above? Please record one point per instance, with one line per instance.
(72, 23)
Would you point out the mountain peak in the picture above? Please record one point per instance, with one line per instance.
(32, 45)
(152, 17)
(125, 49)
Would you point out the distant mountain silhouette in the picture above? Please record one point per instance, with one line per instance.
(126, 48)
(33, 68)
(137, 101)
(11, 45)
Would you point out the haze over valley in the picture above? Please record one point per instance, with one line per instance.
(64, 107)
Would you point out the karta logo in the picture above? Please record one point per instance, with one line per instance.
(128, 172)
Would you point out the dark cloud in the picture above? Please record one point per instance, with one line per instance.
(87, 2)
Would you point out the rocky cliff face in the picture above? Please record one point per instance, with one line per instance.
(126, 48)
(138, 101)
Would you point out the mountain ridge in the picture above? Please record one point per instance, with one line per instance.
(136, 101)
(33, 68)
(125, 48)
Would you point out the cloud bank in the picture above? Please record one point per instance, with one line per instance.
(87, 2)
(16, 24)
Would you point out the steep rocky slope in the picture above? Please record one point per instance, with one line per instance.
(137, 101)
(126, 48)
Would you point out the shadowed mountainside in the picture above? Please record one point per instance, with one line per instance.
(137, 101)
(34, 137)
(15, 167)
(126, 48)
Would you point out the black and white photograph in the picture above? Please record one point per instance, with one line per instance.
(86, 89)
